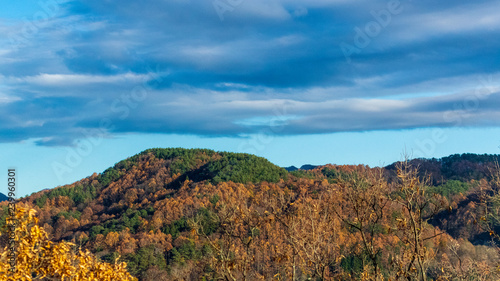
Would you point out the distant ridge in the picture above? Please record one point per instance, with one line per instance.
(303, 167)
(3, 197)
(464, 167)
(308, 167)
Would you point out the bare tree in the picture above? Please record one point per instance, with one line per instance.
(417, 206)
(367, 201)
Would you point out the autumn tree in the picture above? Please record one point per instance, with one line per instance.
(489, 208)
(237, 225)
(309, 236)
(37, 258)
(417, 205)
(315, 234)
(488, 211)
(364, 210)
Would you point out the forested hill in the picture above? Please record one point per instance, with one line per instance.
(197, 214)
(157, 169)
(463, 167)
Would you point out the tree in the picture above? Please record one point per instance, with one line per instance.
(238, 227)
(314, 233)
(488, 217)
(37, 258)
(366, 195)
(416, 207)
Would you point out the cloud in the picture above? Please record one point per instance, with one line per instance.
(45, 79)
(176, 67)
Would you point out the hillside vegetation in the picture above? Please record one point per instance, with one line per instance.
(197, 214)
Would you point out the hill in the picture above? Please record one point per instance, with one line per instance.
(197, 214)
(463, 167)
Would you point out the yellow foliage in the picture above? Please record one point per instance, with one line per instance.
(38, 258)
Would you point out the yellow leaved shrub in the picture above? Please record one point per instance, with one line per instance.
(37, 258)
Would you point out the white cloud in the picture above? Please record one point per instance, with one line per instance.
(80, 79)
(467, 18)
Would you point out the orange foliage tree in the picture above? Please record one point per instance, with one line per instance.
(37, 258)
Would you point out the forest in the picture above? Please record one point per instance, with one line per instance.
(198, 214)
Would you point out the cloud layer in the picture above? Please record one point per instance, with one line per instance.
(233, 68)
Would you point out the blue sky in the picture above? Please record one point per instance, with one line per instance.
(84, 84)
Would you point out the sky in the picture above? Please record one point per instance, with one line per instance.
(85, 84)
